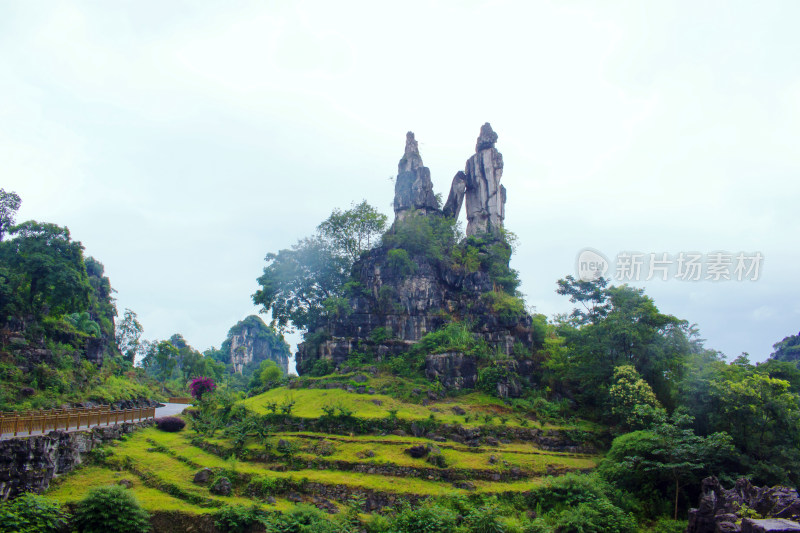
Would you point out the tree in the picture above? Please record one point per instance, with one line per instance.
(268, 373)
(296, 283)
(631, 400)
(591, 295)
(9, 204)
(763, 417)
(788, 349)
(161, 359)
(352, 232)
(621, 326)
(669, 454)
(129, 335)
(45, 271)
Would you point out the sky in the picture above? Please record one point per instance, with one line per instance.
(181, 142)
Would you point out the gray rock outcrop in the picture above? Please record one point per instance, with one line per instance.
(479, 185)
(719, 508)
(29, 464)
(413, 189)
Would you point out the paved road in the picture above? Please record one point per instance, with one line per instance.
(169, 409)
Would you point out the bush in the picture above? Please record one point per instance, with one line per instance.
(200, 386)
(399, 261)
(236, 518)
(111, 508)
(30, 513)
(171, 424)
(600, 516)
(430, 518)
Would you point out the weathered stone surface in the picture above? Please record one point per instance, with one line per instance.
(769, 525)
(485, 197)
(413, 189)
(454, 370)
(719, 506)
(418, 451)
(29, 464)
(455, 200)
(222, 487)
(202, 476)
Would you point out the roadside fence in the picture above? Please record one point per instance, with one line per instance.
(27, 422)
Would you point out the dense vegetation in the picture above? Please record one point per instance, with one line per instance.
(625, 413)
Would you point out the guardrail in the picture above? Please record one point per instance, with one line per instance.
(30, 421)
(179, 399)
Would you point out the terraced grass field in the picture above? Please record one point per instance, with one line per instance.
(279, 468)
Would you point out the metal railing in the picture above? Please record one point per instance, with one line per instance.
(27, 422)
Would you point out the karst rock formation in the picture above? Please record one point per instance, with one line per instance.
(403, 307)
(479, 184)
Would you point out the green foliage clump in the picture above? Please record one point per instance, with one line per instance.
(238, 518)
(508, 308)
(428, 518)
(31, 513)
(455, 337)
(111, 508)
(429, 236)
(399, 261)
(632, 402)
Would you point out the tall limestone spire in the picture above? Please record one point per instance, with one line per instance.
(413, 189)
(480, 185)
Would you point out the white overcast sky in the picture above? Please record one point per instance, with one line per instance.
(182, 141)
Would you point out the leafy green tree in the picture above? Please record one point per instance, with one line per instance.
(353, 231)
(9, 205)
(620, 326)
(670, 454)
(129, 336)
(632, 402)
(296, 283)
(763, 417)
(788, 349)
(161, 359)
(45, 271)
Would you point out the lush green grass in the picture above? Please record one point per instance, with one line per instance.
(167, 462)
(76, 485)
(478, 406)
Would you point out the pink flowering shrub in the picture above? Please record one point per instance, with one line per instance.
(200, 386)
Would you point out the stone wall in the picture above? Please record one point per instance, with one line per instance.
(29, 464)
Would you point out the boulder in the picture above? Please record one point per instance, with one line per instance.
(202, 476)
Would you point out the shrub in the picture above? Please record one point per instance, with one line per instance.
(111, 508)
(508, 308)
(304, 518)
(236, 518)
(200, 386)
(171, 424)
(399, 261)
(430, 518)
(600, 516)
(30, 513)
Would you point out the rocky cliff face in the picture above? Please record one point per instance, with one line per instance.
(397, 303)
(29, 464)
(252, 341)
(721, 510)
